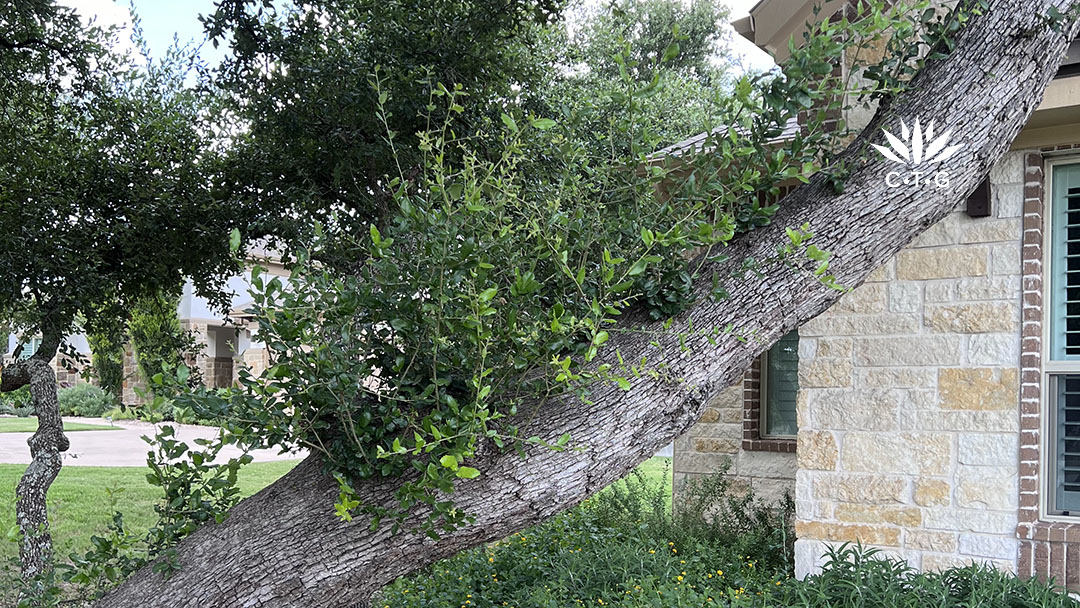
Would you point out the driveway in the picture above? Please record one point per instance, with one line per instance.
(122, 447)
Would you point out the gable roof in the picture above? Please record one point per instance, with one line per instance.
(697, 142)
(771, 23)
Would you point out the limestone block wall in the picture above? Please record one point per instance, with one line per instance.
(717, 439)
(255, 360)
(909, 398)
(135, 390)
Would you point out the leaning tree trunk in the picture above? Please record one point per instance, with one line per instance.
(46, 444)
(284, 547)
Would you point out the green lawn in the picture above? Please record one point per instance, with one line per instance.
(29, 425)
(79, 503)
(656, 468)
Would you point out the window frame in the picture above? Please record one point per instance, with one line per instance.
(763, 401)
(1051, 368)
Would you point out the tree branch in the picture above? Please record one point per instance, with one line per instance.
(28, 43)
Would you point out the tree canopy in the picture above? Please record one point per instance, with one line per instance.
(107, 187)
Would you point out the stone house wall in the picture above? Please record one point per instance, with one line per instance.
(718, 438)
(133, 383)
(909, 401)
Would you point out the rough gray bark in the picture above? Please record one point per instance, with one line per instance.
(283, 546)
(31, 513)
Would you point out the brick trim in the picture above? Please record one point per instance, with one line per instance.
(752, 437)
(1047, 549)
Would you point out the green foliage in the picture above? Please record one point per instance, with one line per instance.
(107, 358)
(622, 547)
(509, 248)
(854, 577)
(307, 137)
(649, 28)
(159, 341)
(107, 175)
(83, 501)
(84, 400)
(17, 403)
(118, 413)
(659, 59)
(195, 491)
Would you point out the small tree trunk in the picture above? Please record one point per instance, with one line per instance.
(283, 547)
(46, 444)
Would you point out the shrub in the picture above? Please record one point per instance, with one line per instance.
(117, 413)
(84, 400)
(24, 411)
(624, 547)
(17, 402)
(855, 577)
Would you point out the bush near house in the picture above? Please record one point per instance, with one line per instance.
(625, 547)
(17, 403)
(84, 400)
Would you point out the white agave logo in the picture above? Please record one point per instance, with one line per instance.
(909, 148)
(917, 147)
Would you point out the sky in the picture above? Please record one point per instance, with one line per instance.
(750, 55)
(164, 19)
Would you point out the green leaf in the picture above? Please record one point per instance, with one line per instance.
(647, 236)
(449, 461)
(543, 123)
(671, 52)
(234, 240)
(509, 122)
(468, 473)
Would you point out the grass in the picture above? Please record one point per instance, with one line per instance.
(657, 469)
(79, 503)
(29, 425)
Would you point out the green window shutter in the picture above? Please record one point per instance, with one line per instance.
(782, 386)
(30, 348)
(1065, 264)
(1067, 442)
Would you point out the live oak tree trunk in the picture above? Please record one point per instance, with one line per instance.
(284, 547)
(46, 444)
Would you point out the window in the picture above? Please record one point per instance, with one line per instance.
(30, 348)
(780, 384)
(1062, 362)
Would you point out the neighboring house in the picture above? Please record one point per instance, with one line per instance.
(933, 412)
(229, 342)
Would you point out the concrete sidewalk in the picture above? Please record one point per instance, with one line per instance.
(122, 447)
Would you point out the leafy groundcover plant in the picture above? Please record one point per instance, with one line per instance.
(625, 547)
